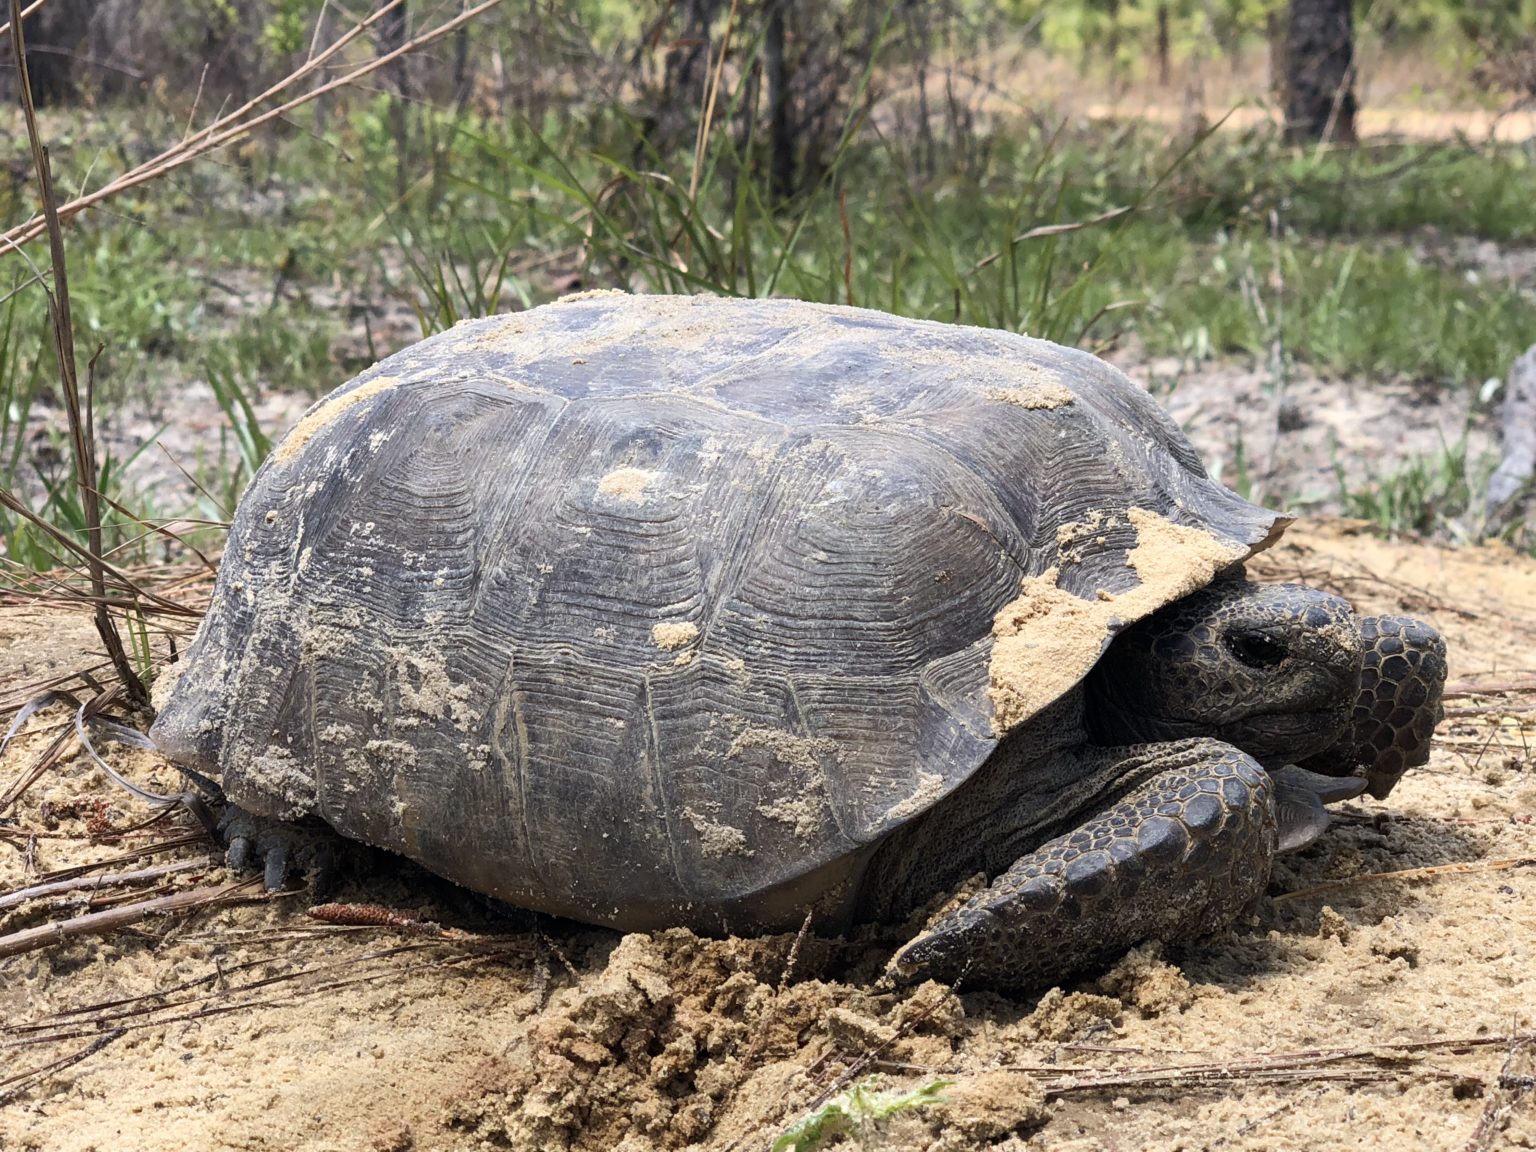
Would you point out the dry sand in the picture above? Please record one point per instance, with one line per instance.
(1355, 1011)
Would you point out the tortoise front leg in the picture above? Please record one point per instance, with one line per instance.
(1177, 857)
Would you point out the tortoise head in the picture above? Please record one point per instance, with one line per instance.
(1271, 668)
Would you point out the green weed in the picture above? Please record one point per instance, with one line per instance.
(1429, 493)
(856, 1112)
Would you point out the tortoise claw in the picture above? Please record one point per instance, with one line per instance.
(1300, 797)
(240, 855)
(275, 860)
(1178, 857)
(279, 847)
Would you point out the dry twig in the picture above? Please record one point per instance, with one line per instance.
(15, 1085)
(1381, 1062)
(89, 883)
(100, 923)
(81, 432)
(1433, 871)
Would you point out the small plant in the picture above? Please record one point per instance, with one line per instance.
(855, 1112)
(1427, 493)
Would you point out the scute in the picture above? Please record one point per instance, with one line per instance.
(437, 619)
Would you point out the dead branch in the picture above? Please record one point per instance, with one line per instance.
(100, 923)
(1434, 871)
(96, 883)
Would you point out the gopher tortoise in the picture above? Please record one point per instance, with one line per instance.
(657, 611)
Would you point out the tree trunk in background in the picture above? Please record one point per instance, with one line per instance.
(392, 37)
(463, 79)
(673, 116)
(54, 35)
(1319, 72)
(918, 29)
(781, 148)
(1163, 63)
(688, 59)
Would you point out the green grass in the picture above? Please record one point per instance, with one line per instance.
(1353, 309)
(235, 271)
(857, 1112)
(1433, 493)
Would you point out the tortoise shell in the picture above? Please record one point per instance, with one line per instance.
(640, 609)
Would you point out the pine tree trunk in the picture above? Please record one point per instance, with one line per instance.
(781, 146)
(1164, 69)
(1320, 57)
(393, 32)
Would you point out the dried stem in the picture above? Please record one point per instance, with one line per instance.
(1432, 872)
(1389, 1061)
(97, 564)
(100, 923)
(93, 883)
(82, 441)
(701, 143)
(15, 1085)
(1489, 688)
(50, 756)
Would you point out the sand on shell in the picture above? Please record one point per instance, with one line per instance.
(257, 1027)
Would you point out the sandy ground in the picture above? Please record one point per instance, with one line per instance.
(1357, 1010)
(1403, 95)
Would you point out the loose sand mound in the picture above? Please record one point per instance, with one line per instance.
(1357, 1010)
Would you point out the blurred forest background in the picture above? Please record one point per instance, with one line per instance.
(1307, 226)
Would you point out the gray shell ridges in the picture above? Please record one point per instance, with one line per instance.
(629, 608)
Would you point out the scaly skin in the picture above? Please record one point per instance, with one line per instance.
(1201, 712)
(1401, 678)
(1177, 858)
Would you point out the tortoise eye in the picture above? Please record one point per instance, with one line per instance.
(1256, 649)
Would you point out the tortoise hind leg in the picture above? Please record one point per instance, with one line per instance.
(278, 846)
(1177, 857)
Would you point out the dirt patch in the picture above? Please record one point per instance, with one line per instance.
(628, 484)
(1351, 1010)
(1047, 638)
(673, 634)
